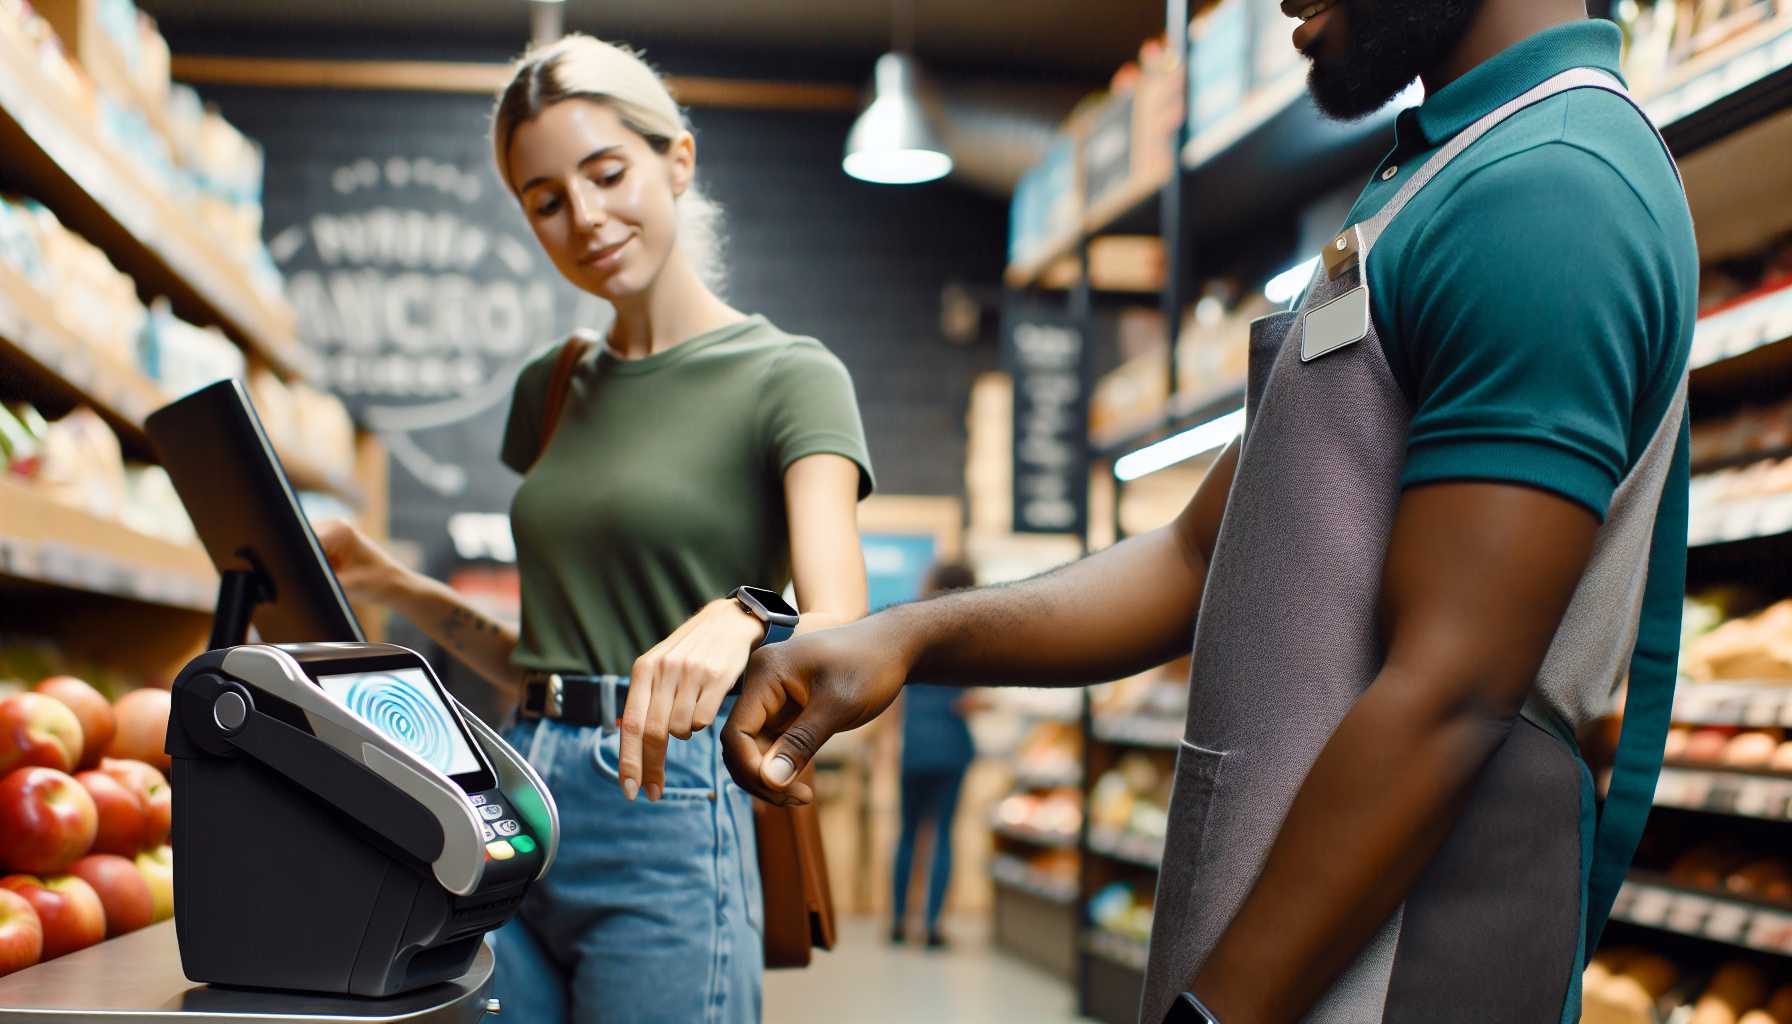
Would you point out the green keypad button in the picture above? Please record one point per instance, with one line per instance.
(523, 844)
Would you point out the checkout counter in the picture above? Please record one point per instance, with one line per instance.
(346, 834)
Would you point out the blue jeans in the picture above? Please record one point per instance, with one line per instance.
(926, 796)
(652, 911)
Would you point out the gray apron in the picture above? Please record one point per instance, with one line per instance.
(1287, 641)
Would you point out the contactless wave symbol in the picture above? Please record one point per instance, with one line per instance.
(396, 708)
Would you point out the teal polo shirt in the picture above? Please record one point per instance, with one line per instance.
(1536, 303)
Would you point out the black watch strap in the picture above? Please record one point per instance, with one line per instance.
(1188, 1010)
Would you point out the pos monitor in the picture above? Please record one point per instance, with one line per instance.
(273, 571)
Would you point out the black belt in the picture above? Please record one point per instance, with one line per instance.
(574, 698)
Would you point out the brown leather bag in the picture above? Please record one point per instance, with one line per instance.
(793, 867)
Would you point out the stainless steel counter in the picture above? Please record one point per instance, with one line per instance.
(136, 979)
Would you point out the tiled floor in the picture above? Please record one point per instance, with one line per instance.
(868, 981)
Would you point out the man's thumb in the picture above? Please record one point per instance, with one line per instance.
(791, 754)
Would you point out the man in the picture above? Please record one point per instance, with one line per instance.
(1455, 523)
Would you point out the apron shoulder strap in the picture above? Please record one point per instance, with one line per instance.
(560, 385)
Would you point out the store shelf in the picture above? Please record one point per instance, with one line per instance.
(1034, 836)
(55, 360)
(1740, 794)
(46, 542)
(1740, 521)
(308, 476)
(1129, 847)
(1115, 948)
(1753, 322)
(1184, 411)
(1732, 87)
(1041, 779)
(1757, 705)
(56, 154)
(1716, 917)
(1017, 874)
(1152, 733)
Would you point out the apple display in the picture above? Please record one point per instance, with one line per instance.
(91, 708)
(151, 786)
(122, 890)
(157, 868)
(21, 934)
(72, 915)
(142, 727)
(123, 819)
(40, 730)
(47, 820)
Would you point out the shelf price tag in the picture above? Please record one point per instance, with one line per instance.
(1650, 906)
(1727, 922)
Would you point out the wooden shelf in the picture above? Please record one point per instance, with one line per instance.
(52, 544)
(58, 156)
(1115, 948)
(1035, 837)
(1763, 796)
(1715, 917)
(1763, 705)
(60, 362)
(1018, 874)
(1130, 731)
(1128, 847)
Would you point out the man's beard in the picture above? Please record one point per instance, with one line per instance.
(1391, 43)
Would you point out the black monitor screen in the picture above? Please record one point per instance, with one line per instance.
(213, 446)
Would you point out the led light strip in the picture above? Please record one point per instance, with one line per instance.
(1215, 433)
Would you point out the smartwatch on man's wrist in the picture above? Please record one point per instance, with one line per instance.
(1188, 1010)
(769, 607)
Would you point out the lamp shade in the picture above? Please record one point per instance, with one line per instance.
(893, 141)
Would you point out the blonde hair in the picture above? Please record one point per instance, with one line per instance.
(579, 67)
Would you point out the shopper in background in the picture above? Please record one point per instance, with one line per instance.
(697, 449)
(936, 753)
(1456, 520)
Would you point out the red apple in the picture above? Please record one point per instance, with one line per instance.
(47, 820)
(157, 868)
(142, 727)
(21, 934)
(91, 708)
(152, 788)
(35, 729)
(122, 889)
(71, 912)
(124, 821)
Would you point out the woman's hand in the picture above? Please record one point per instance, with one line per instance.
(368, 574)
(677, 688)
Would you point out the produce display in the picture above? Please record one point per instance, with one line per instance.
(1133, 798)
(1124, 908)
(1056, 812)
(1628, 985)
(85, 816)
(1720, 645)
(1052, 750)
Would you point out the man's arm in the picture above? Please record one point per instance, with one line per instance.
(1108, 615)
(1477, 579)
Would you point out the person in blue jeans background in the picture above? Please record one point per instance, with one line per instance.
(697, 453)
(936, 752)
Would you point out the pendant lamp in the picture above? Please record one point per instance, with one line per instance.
(894, 142)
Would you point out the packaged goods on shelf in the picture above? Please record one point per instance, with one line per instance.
(1734, 867)
(20, 19)
(323, 431)
(1132, 396)
(1160, 693)
(1728, 504)
(83, 465)
(1753, 430)
(1047, 206)
(1214, 345)
(1754, 648)
(1123, 908)
(152, 506)
(1056, 812)
(274, 404)
(1662, 35)
(1132, 798)
(1725, 281)
(1052, 750)
(1220, 58)
(183, 357)
(1633, 985)
(22, 430)
(88, 295)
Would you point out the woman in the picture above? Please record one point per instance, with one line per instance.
(699, 449)
(936, 752)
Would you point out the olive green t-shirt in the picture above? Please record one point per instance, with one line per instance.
(662, 488)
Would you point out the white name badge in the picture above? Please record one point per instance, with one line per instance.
(1342, 321)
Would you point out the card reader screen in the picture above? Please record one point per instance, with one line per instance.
(403, 704)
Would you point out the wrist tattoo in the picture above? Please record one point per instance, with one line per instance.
(464, 621)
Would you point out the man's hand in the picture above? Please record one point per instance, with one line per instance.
(799, 693)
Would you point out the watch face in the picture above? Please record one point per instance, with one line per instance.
(771, 601)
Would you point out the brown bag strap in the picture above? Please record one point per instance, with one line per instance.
(560, 385)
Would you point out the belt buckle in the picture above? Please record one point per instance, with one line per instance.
(555, 706)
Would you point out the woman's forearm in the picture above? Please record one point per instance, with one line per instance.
(482, 643)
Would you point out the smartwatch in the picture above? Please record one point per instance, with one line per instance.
(1188, 1010)
(769, 607)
